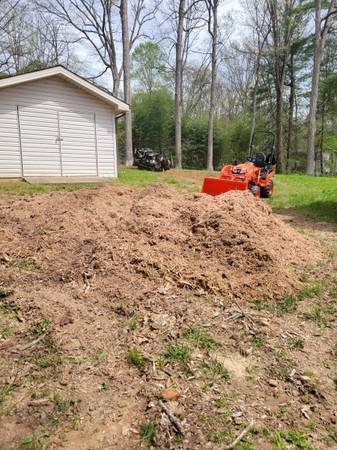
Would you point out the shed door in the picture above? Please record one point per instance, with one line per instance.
(78, 143)
(10, 155)
(39, 142)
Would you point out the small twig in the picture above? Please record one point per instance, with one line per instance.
(241, 436)
(31, 344)
(173, 419)
(235, 316)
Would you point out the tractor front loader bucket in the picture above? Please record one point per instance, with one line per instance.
(217, 186)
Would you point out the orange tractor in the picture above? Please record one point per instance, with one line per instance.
(254, 175)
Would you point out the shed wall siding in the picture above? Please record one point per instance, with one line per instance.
(46, 107)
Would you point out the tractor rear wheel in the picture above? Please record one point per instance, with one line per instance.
(267, 191)
(256, 191)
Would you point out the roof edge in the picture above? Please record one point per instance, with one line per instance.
(71, 76)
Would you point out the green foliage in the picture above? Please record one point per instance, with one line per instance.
(5, 390)
(259, 341)
(49, 355)
(31, 443)
(315, 197)
(148, 66)
(199, 338)
(4, 294)
(194, 136)
(296, 343)
(216, 368)
(310, 291)
(5, 332)
(287, 305)
(100, 355)
(177, 351)
(136, 358)
(41, 327)
(153, 120)
(132, 322)
(34, 65)
(148, 431)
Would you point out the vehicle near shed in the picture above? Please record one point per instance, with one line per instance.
(145, 158)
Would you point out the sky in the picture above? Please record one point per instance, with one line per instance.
(84, 52)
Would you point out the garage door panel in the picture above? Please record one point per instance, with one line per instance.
(40, 148)
(10, 156)
(78, 143)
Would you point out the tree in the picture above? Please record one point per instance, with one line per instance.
(260, 24)
(127, 81)
(283, 24)
(8, 12)
(322, 26)
(93, 21)
(178, 82)
(153, 120)
(148, 61)
(212, 7)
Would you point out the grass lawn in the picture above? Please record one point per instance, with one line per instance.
(315, 197)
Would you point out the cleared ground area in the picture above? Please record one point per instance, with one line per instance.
(133, 318)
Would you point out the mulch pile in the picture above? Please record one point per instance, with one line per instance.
(83, 265)
(130, 240)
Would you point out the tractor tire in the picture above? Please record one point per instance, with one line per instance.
(267, 191)
(256, 191)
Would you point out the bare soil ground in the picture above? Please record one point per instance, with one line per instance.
(109, 297)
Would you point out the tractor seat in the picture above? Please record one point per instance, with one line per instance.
(260, 160)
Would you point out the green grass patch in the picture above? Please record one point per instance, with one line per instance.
(294, 437)
(4, 293)
(27, 265)
(177, 351)
(5, 331)
(199, 338)
(5, 391)
(136, 358)
(296, 343)
(49, 356)
(217, 369)
(32, 443)
(9, 306)
(310, 291)
(287, 305)
(100, 355)
(22, 188)
(259, 341)
(41, 327)
(148, 432)
(318, 316)
(315, 197)
(132, 322)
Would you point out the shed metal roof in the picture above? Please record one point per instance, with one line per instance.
(71, 77)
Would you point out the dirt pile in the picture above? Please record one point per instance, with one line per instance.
(109, 296)
(132, 240)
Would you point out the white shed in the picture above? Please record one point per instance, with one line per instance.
(55, 123)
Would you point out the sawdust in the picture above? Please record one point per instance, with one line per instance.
(131, 240)
(90, 261)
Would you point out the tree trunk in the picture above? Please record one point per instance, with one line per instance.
(291, 110)
(214, 10)
(296, 133)
(320, 36)
(279, 131)
(321, 146)
(178, 82)
(254, 111)
(127, 82)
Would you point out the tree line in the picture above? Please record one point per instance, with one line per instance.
(202, 82)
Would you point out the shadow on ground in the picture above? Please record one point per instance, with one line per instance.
(309, 218)
(321, 211)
